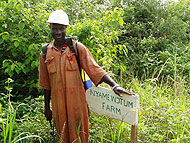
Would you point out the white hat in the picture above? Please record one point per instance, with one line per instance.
(59, 17)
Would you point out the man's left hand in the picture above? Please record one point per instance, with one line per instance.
(119, 90)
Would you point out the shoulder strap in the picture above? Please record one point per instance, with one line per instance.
(77, 57)
(69, 42)
(71, 47)
(44, 51)
(78, 61)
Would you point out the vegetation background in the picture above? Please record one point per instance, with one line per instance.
(143, 44)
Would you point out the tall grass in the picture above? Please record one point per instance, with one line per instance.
(8, 121)
(163, 115)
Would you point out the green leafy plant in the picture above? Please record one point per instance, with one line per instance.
(8, 121)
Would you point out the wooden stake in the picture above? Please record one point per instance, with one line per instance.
(134, 133)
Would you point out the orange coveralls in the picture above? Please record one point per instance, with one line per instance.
(59, 73)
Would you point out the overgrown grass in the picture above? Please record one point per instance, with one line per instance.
(8, 122)
(163, 116)
(164, 113)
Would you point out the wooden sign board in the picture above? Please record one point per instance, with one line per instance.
(105, 102)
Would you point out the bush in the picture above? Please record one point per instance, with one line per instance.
(24, 30)
(150, 36)
(144, 45)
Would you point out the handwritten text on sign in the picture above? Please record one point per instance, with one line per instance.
(105, 102)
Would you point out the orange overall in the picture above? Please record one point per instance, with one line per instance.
(59, 73)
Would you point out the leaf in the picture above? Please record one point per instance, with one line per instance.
(107, 12)
(5, 64)
(14, 53)
(5, 37)
(115, 15)
(121, 21)
(1, 41)
(1, 18)
(20, 31)
(33, 65)
(114, 23)
(27, 61)
(12, 67)
(11, 73)
(17, 70)
(21, 25)
(19, 7)
(4, 25)
(16, 43)
(116, 9)
(24, 70)
(120, 47)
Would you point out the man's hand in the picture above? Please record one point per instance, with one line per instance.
(119, 90)
(115, 87)
(47, 97)
(48, 114)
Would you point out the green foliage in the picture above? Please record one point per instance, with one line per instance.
(163, 115)
(100, 36)
(21, 34)
(163, 112)
(31, 120)
(8, 121)
(128, 38)
(24, 30)
(131, 38)
(150, 36)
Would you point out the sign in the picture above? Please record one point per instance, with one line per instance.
(105, 102)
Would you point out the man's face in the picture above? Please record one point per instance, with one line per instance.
(58, 31)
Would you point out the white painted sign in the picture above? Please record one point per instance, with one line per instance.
(105, 102)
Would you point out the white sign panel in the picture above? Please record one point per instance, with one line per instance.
(105, 102)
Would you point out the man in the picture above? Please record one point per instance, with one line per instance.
(60, 78)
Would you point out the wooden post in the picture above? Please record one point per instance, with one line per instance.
(134, 133)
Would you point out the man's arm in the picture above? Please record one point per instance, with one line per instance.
(116, 87)
(47, 97)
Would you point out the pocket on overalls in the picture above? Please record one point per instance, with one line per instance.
(72, 74)
(51, 65)
(71, 63)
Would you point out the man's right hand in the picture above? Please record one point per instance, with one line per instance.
(48, 114)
